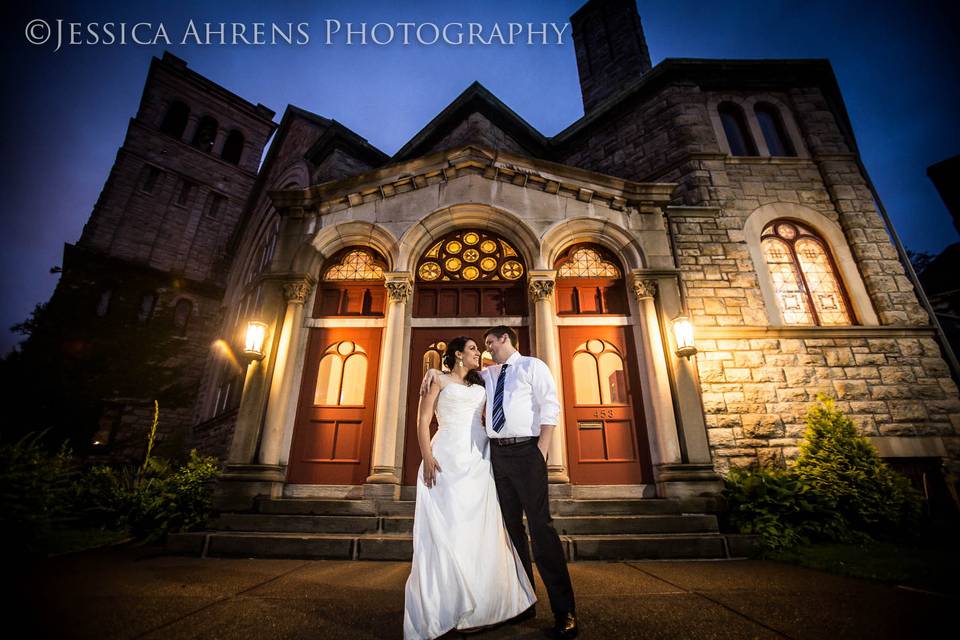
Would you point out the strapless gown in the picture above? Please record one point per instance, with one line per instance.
(465, 572)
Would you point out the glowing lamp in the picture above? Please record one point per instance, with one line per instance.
(683, 333)
(253, 347)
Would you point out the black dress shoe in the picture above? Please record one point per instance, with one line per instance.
(566, 627)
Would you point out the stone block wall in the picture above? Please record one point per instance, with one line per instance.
(759, 381)
(756, 391)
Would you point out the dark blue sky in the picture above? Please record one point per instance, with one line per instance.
(66, 112)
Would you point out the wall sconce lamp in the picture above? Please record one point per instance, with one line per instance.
(683, 332)
(253, 346)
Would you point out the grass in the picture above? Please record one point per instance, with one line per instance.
(931, 563)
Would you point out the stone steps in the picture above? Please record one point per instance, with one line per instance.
(332, 546)
(628, 529)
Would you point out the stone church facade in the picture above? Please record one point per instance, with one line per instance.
(728, 193)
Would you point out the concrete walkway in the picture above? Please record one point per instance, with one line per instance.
(136, 593)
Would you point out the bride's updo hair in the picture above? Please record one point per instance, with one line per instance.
(450, 358)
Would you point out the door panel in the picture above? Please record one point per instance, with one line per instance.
(333, 433)
(605, 428)
(425, 355)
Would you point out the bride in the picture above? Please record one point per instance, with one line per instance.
(466, 572)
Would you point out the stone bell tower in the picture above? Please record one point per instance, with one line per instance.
(611, 49)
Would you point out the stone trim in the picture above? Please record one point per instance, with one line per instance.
(480, 323)
(296, 291)
(324, 323)
(529, 173)
(644, 288)
(593, 321)
(541, 289)
(692, 212)
(399, 286)
(723, 333)
(909, 447)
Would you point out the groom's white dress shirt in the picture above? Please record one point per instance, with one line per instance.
(529, 397)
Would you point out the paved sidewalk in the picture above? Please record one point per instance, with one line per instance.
(134, 593)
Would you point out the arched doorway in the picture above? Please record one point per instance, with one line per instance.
(333, 432)
(468, 275)
(603, 410)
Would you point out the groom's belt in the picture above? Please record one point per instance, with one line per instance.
(506, 442)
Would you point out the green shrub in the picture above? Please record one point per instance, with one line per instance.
(846, 473)
(169, 499)
(838, 490)
(35, 490)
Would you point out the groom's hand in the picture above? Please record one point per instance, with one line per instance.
(428, 378)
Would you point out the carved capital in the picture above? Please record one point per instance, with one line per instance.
(541, 289)
(644, 288)
(296, 291)
(399, 290)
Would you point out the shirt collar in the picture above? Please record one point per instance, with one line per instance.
(513, 359)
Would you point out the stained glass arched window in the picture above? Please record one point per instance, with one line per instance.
(805, 278)
(473, 255)
(356, 264)
(351, 284)
(589, 282)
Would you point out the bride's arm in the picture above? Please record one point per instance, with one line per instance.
(428, 405)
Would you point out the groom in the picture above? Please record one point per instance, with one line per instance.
(522, 412)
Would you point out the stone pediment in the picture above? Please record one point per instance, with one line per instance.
(476, 117)
(447, 166)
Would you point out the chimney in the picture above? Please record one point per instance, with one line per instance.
(611, 49)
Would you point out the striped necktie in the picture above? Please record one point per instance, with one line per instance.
(498, 418)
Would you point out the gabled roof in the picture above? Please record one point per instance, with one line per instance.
(475, 99)
(337, 136)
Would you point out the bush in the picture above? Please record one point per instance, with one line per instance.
(846, 473)
(839, 490)
(168, 499)
(44, 493)
(36, 490)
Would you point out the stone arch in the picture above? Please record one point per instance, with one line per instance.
(310, 255)
(831, 233)
(418, 238)
(609, 235)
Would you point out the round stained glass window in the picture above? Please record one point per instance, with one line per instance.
(471, 273)
(488, 264)
(471, 255)
(471, 238)
(430, 271)
(488, 246)
(454, 247)
(345, 348)
(511, 270)
(787, 231)
(453, 264)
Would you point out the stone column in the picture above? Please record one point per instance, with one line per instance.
(282, 398)
(541, 292)
(244, 477)
(384, 480)
(694, 474)
(657, 396)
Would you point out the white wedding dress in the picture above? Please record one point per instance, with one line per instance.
(465, 570)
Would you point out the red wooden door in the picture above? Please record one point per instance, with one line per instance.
(333, 434)
(426, 349)
(606, 432)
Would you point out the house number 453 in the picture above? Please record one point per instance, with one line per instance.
(603, 414)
